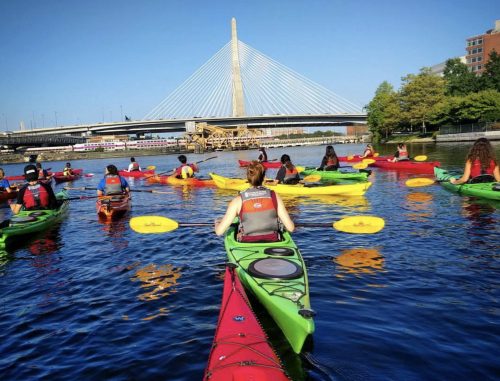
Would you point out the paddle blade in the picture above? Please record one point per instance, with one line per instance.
(360, 224)
(312, 178)
(151, 167)
(420, 158)
(419, 182)
(299, 168)
(360, 165)
(350, 157)
(153, 224)
(376, 154)
(368, 161)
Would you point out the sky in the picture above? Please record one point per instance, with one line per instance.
(77, 62)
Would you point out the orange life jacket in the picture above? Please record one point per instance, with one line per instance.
(258, 216)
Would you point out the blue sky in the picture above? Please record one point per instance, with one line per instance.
(89, 61)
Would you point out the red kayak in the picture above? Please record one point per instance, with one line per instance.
(21, 177)
(110, 207)
(266, 164)
(4, 195)
(61, 178)
(408, 165)
(358, 158)
(241, 350)
(126, 173)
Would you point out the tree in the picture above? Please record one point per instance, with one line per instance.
(459, 79)
(491, 76)
(380, 110)
(480, 107)
(419, 93)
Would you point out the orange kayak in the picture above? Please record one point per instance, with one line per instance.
(172, 180)
(109, 207)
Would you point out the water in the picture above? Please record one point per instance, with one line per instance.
(417, 301)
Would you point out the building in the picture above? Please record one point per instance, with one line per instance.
(439, 68)
(479, 48)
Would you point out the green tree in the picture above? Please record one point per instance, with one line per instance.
(418, 95)
(459, 79)
(483, 106)
(380, 111)
(491, 76)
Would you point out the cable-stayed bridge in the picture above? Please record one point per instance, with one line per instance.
(237, 86)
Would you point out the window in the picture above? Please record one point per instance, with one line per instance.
(480, 41)
(479, 67)
(479, 59)
(480, 50)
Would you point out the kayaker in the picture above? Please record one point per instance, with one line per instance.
(68, 171)
(259, 209)
(42, 173)
(369, 152)
(112, 183)
(262, 155)
(481, 164)
(401, 154)
(330, 161)
(287, 174)
(35, 194)
(4, 183)
(134, 165)
(185, 171)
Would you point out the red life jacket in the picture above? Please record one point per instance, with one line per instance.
(135, 166)
(476, 169)
(113, 185)
(258, 216)
(403, 154)
(35, 196)
(291, 175)
(41, 174)
(368, 152)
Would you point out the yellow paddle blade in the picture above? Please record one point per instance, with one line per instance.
(360, 165)
(419, 182)
(152, 224)
(368, 161)
(312, 178)
(376, 154)
(151, 167)
(299, 168)
(360, 224)
(420, 158)
(350, 157)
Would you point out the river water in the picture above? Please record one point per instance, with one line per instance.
(416, 301)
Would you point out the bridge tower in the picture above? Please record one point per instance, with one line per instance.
(238, 101)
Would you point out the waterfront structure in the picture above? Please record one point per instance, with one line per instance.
(479, 48)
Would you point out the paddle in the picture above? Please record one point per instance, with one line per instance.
(312, 178)
(151, 167)
(376, 154)
(172, 171)
(419, 182)
(368, 161)
(361, 165)
(132, 190)
(420, 158)
(160, 224)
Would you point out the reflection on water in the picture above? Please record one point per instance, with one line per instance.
(360, 261)
(115, 230)
(157, 281)
(419, 205)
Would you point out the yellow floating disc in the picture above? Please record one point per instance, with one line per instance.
(360, 224)
(419, 182)
(153, 224)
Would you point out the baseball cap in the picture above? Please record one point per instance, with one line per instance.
(30, 173)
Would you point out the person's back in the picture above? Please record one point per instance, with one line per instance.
(481, 164)
(134, 165)
(185, 171)
(262, 155)
(112, 183)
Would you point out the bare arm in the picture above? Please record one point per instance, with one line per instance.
(15, 208)
(465, 176)
(231, 213)
(284, 216)
(496, 173)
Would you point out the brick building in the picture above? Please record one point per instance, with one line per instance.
(479, 48)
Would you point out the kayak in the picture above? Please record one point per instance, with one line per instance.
(61, 178)
(482, 190)
(275, 272)
(357, 189)
(109, 207)
(358, 158)
(126, 173)
(241, 349)
(266, 164)
(21, 177)
(334, 175)
(172, 180)
(408, 165)
(32, 221)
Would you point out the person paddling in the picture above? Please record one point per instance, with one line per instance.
(262, 155)
(401, 154)
(481, 164)
(330, 161)
(134, 165)
(68, 171)
(185, 171)
(4, 183)
(259, 209)
(287, 174)
(369, 152)
(112, 183)
(42, 173)
(35, 194)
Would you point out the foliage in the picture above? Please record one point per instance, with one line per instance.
(459, 79)
(491, 76)
(382, 111)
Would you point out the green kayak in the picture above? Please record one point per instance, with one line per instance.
(482, 190)
(336, 175)
(275, 272)
(32, 221)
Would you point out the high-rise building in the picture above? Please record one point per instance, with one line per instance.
(479, 48)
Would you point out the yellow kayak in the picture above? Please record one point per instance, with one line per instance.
(357, 189)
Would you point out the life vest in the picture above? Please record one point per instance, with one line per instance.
(476, 169)
(291, 176)
(113, 185)
(368, 152)
(185, 171)
(41, 174)
(35, 197)
(258, 216)
(331, 164)
(67, 171)
(135, 166)
(403, 154)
